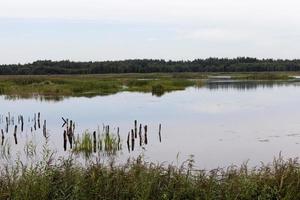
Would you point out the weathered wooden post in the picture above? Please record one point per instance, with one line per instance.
(7, 124)
(8, 118)
(22, 123)
(135, 129)
(119, 139)
(65, 140)
(2, 142)
(132, 140)
(15, 134)
(95, 141)
(140, 135)
(39, 118)
(70, 127)
(146, 137)
(44, 129)
(128, 143)
(70, 134)
(159, 132)
(35, 121)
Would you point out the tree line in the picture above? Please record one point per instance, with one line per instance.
(240, 64)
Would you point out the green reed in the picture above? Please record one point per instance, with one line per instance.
(104, 143)
(138, 179)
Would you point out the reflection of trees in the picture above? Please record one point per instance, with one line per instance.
(33, 96)
(50, 98)
(247, 85)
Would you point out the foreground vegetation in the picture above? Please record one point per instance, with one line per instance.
(137, 179)
(91, 85)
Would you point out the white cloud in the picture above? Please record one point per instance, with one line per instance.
(153, 10)
(170, 29)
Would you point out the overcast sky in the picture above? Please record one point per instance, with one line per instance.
(90, 30)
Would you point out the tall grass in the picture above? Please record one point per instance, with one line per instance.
(138, 179)
(105, 144)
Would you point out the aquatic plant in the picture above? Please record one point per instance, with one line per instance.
(105, 143)
(84, 144)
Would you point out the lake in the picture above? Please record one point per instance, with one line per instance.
(225, 122)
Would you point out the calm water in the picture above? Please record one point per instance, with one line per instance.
(220, 124)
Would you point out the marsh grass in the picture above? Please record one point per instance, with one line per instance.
(56, 87)
(138, 179)
(105, 144)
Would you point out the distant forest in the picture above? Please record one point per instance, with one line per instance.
(241, 64)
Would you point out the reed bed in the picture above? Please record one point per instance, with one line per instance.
(138, 179)
(106, 144)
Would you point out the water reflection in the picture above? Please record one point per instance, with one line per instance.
(247, 85)
(159, 90)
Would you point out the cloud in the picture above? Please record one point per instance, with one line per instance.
(154, 10)
(168, 29)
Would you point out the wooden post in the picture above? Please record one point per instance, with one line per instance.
(132, 140)
(68, 127)
(65, 140)
(35, 121)
(44, 129)
(70, 134)
(140, 135)
(119, 139)
(135, 129)
(22, 123)
(39, 122)
(15, 134)
(95, 142)
(2, 142)
(128, 143)
(7, 123)
(107, 146)
(8, 118)
(159, 132)
(146, 138)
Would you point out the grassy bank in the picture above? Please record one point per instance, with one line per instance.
(141, 180)
(91, 85)
(88, 85)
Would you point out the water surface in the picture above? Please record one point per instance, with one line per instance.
(223, 123)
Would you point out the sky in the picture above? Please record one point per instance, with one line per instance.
(96, 30)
